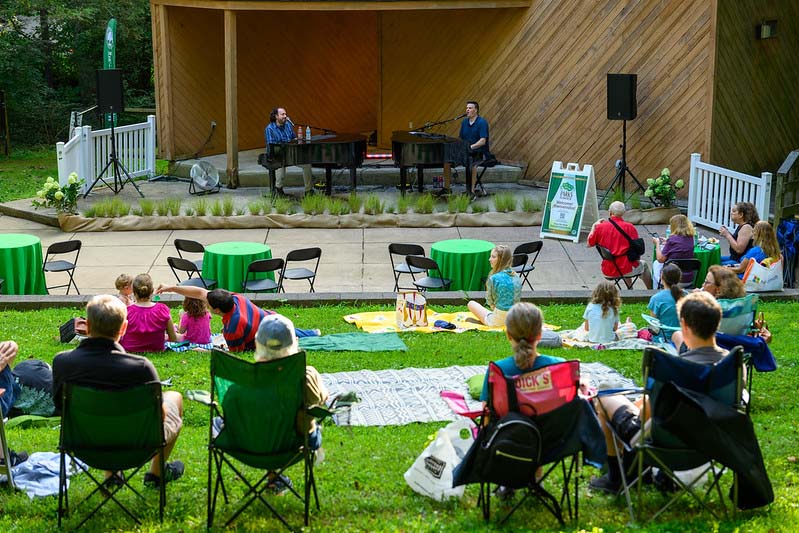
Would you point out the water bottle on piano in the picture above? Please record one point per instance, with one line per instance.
(299, 134)
(307, 133)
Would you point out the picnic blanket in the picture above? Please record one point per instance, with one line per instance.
(216, 340)
(574, 340)
(405, 396)
(354, 342)
(38, 476)
(386, 321)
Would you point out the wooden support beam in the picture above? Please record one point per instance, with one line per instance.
(231, 106)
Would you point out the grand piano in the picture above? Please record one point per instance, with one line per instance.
(327, 151)
(427, 150)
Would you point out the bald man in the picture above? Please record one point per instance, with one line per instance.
(605, 234)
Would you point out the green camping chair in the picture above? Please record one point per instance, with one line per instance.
(110, 430)
(259, 402)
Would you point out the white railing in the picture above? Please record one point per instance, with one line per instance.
(713, 190)
(87, 152)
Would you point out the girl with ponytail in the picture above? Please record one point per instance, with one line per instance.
(663, 304)
(523, 325)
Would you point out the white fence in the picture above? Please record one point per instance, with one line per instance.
(87, 152)
(713, 190)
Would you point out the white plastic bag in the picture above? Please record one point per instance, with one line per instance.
(759, 278)
(431, 474)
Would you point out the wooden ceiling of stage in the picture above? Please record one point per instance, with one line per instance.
(327, 5)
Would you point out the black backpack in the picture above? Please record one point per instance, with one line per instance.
(507, 453)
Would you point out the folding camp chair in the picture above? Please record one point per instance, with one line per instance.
(738, 314)
(568, 426)
(111, 430)
(5, 467)
(263, 438)
(657, 447)
(606, 255)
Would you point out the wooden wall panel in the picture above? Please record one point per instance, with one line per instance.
(322, 67)
(539, 75)
(755, 114)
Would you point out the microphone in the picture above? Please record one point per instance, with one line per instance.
(289, 121)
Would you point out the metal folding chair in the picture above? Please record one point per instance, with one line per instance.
(62, 265)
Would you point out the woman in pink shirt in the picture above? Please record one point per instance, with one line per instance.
(148, 321)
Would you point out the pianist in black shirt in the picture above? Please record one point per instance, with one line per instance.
(281, 130)
(474, 130)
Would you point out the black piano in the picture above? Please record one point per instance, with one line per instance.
(326, 151)
(427, 150)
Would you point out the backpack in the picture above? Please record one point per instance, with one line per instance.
(637, 246)
(508, 451)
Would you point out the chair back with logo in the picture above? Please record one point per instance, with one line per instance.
(536, 392)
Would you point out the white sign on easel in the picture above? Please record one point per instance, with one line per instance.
(571, 204)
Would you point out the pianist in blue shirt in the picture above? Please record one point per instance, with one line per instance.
(281, 130)
(474, 130)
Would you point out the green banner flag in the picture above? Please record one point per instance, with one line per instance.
(110, 58)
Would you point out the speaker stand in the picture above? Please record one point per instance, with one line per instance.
(622, 169)
(119, 169)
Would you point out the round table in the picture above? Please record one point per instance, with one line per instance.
(227, 262)
(21, 264)
(464, 261)
(707, 257)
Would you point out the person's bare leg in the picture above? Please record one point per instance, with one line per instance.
(646, 276)
(176, 398)
(478, 310)
(606, 408)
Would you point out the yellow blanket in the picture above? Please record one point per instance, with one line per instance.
(386, 321)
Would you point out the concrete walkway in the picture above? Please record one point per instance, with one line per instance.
(353, 260)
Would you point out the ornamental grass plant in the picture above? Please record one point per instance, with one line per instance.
(360, 482)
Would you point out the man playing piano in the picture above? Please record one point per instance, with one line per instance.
(281, 130)
(474, 131)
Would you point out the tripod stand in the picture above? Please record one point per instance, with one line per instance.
(622, 168)
(119, 168)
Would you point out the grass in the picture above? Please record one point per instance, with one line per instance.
(337, 206)
(147, 207)
(505, 202)
(216, 208)
(283, 206)
(201, 206)
(360, 483)
(257, 207)
(314, 204)
(373, 205)
(424, 204)
(168, 206)
(458, 203)
(25, 170)
(403, 203)
(356, 202)
(531, 205)
(479, 208)
(111, 207)
(228, 205)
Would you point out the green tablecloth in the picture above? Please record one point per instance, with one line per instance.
(707, 258)
(227, 262)
(21, 264)
(464, 261)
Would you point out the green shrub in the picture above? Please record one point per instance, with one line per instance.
(337, 206)
(90, 211)
(201, 206)
(283, 206)
(216, 208)
(373, 205)
(137, 212)
(240, 211)
(256, 207)
(616, 195)
(403, 202)
(458, 203)
(314, 204)
(504, 202)
(479, 208)
(189, 211)
(228, 205)
(147, 207)
(424, 204)
(356, 202)
(530, 205)
(635, 200)
(174, 206)
(119, 207)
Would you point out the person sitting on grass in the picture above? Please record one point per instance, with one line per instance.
(101, 362)
(663, 304)
(148, 321)
(195, 322)
(124, 285)
(601, 316)
(700, 316)
(8, 393)
(240, 317)
(503, 289)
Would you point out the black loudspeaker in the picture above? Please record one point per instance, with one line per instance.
(109, 91)
(622, 102)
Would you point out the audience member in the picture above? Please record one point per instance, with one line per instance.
(148, 321)
(240, 317)
(503, 289)
(700, 315)
(100, 361)
(615, 238)
(8, 393)
(744, 216)
(195, 322)
(523, 326)
(723, 283)
(663, 304)
(601, 316)
(679, 245)
(765, 249)
(124, 285)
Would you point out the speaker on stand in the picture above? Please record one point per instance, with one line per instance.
(622, 105)
(110, 99)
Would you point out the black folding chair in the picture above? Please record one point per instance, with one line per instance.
(298, 273)
(184, 265)
(62, 265)
(531, 249)
(605, 254)
(263, 266)
(421, 263)
(191, 247)
(692, 266)
(403, 250)
(114, 431)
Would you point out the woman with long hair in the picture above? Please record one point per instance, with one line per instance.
(679, 245)
(503, 289)
(744, 216)
(765, 249)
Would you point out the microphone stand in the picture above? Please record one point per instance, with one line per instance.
(428, 125)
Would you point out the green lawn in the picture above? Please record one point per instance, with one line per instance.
(24, 172)
(360, 483)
